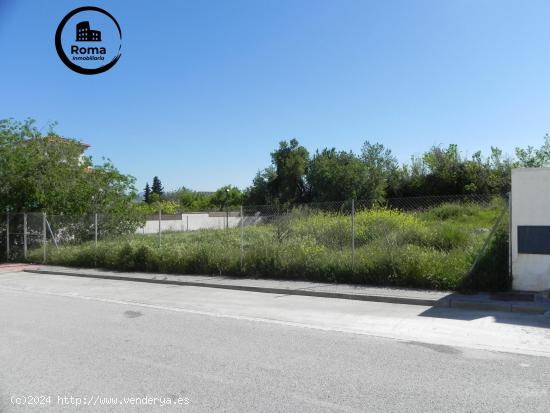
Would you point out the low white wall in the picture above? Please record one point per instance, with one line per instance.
(530, 206)
(194, 222)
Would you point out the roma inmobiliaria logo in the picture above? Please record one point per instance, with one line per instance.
(88, 40)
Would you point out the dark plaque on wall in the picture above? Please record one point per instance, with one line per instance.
(534, 239)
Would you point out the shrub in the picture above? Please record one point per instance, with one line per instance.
(145, 258)
(378, 223)
(448, 236)
(452, 210)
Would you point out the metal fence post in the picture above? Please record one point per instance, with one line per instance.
(353, 234)
(44, 235)
(7, 235)
(242, 237)
(510, 228)
(160, 229)
(95, 239)
(95, 229)
(25, 235)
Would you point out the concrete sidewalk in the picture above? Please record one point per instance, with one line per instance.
(522, 303)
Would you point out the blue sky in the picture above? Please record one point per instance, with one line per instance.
(205, 90)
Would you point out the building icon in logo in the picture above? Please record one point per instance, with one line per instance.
(84, 34)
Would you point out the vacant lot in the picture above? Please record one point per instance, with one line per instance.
(434, 248)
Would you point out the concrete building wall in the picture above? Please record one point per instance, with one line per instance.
(530, 206)
(196, 221)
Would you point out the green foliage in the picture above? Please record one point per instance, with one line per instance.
(380, 164)
(259, 193)
(226, 196)
(374, 174)
(451, 210)
(194, 201)
(184, 199)
(337, 176)
(328, 176)
(147, 193)
(431, 249)
(167, 207)
(290, 161)
(157, 188)
(534, 158)
(382, 223)
(49, 173)
(445, 172)
(284, 182)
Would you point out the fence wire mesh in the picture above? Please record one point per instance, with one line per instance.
(354, 240)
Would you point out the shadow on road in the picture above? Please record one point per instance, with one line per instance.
(522, 319)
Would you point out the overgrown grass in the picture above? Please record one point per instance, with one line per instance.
(430, 249)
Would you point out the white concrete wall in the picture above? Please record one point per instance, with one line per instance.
(530, 206)
(193, 222)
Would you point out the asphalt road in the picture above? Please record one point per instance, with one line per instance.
(101, 341)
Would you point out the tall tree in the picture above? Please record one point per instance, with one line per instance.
(290, 161)
(147, 193)
(446, 171)
(337, 176)
(381, 164)
(259, 193)
(157, 188)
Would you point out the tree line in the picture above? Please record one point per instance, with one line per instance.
(296, 176)
(45, 172)
(189, 200)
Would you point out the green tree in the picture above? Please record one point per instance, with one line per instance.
(226, 196)
(380, 165)
(408, 179)
(157, 188)
(50, 173)
(447, 173)
(147, 194)
(290, 161)
(284, 181)
(259, 193)
(337, 176)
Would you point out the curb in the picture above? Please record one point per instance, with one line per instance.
(270, 290)
(444, 302)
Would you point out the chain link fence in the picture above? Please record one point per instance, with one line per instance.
(21, 233)
(353, 241)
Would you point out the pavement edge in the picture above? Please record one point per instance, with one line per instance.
(445, 302)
